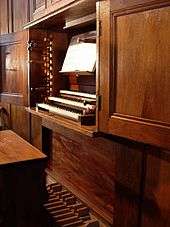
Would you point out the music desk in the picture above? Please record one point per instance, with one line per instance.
(22, 182)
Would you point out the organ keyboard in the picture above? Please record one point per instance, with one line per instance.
(77, 106)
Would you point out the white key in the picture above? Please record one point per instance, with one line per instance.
(72, 103)
(59, 111)
(82, 94)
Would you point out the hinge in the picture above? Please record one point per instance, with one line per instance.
(31, 44)
(99, 102)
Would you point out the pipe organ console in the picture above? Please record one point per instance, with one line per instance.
(77, 106)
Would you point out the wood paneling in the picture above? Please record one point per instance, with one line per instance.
(77, 162)
(12, 65)
(13, 54)
(156, 203)
(134, 88)
(126, 209)
(20, 14)
(72, 10)
(20, 121)
(4, 10)
(36, 131)
(117, 5)
(99, 171)
(128, 178)
(111, 175)
(13, 15)
(142, 81)
(39, 3)
(39, 7)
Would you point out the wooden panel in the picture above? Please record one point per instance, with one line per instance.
(17, 208)
(20, 14)
(117, 5)
(143, 83)
(31, 9)
(4, 17)
(126, 212)
(72, 9)
(53, 5)
(134, 130)
(134, 88)
(20, 121)
(14, 68)
(99, 171)
(156, 206)
(39, 3)
(128, 178)
(82, 83)
(38, 7)
(13, 15)
(11, 61)
(36, 131)
(74, 162)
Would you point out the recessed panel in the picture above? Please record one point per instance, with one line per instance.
(142, 65)
(12, 69)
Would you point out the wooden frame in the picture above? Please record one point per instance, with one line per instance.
(14, 49)
(112, 117)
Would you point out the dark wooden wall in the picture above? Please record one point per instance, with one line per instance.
(13, 15)
(127, 182)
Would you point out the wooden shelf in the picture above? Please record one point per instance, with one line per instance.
(57, 123)
(80, 21)
(78, 73)
(67, 16)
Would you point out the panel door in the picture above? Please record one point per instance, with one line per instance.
(20, 17)
(39, 4)
(134, 70)
(37, 8)
(4, 20)
(53, 5)
(156, 200)
(13, 64)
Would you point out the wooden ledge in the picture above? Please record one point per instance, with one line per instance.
(56, 122)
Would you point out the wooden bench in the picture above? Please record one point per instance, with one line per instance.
(22, 182)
